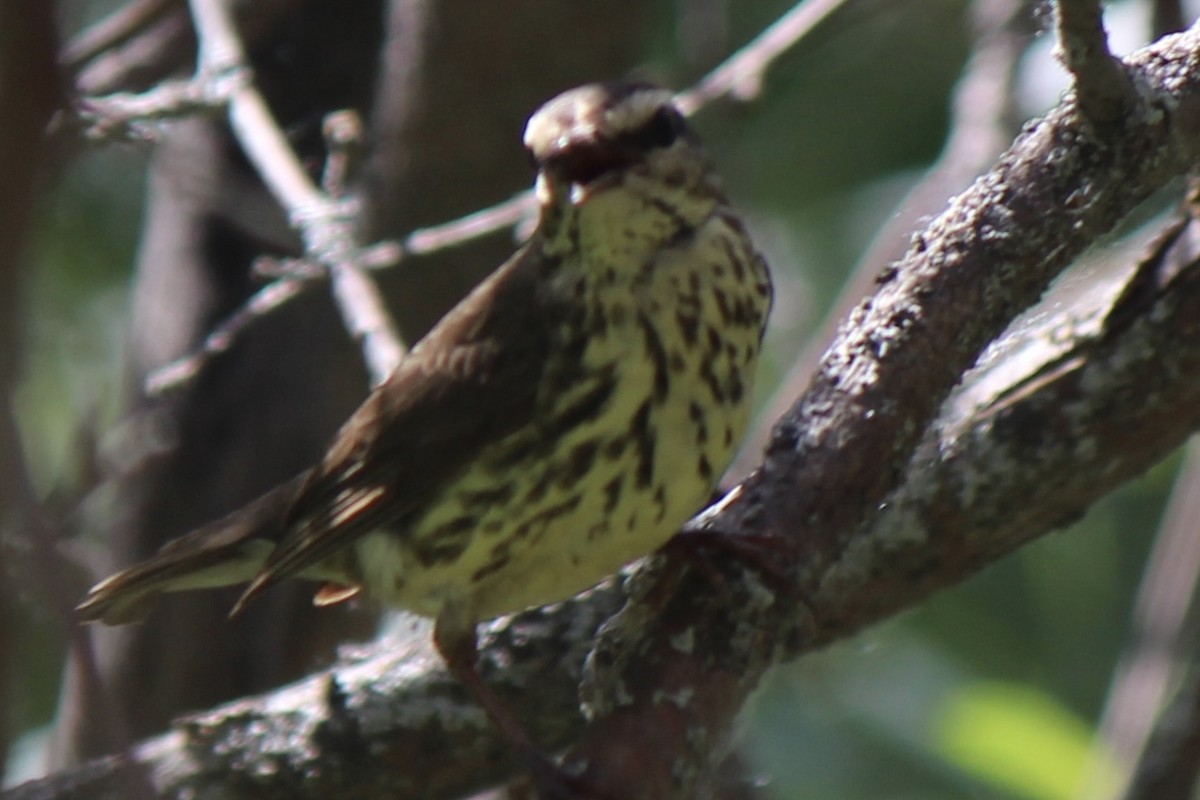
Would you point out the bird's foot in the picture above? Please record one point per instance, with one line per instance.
(771, 557)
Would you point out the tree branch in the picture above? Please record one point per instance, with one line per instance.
(982, 126)
(1103, 90)
(327, 226)
(836, 456)
(112, 31)
(365, 728)
(741, 75)
(1159, 648)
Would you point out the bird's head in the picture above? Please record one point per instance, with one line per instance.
(595, 137)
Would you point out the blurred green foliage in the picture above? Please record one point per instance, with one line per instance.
(1015, 737)
(84, 250)
(74, 328)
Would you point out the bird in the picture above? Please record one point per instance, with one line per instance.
(564, 419)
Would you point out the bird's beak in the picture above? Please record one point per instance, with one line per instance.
(581, 193)
(546, 189)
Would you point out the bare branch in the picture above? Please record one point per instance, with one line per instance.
(222, 337)
(518, 209)
(366, 726)
(343, 142)
(328, 224)
(982, 126)
(159, 50)
(836, 456)
(1157, 649)
(741, 75)
(118, 27)
(1170, 761)
(295, 273)
(328, 227)
(1103, 89)
(133, 117)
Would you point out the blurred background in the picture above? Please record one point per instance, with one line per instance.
(995, 689)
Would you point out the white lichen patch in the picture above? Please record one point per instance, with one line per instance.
(680, 698)
(685, 641)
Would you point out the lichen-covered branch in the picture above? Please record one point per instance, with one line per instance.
(663, 711)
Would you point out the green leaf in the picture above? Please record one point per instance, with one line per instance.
(1020, 740)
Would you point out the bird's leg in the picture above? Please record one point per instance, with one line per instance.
(458, 647)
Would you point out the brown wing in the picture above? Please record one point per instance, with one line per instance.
(229, 550)
(471, 381)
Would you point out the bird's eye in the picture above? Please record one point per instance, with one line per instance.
(584, 164)
(661, 130)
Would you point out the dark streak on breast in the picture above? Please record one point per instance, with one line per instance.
(658, 354)
(446, 542)
(545, 517)
(612, 493)
(643, 437)
(579, 463)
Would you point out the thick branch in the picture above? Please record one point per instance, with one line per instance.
(982, 126)
(837, 454)
(367, 727)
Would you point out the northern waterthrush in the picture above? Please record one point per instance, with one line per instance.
(565, 418)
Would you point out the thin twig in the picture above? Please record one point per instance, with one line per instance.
(741, 74)
(128, 116)
(222, 60)
(1152, 664)
(343, 141)
(508, 214)
(1102, 88)
(263, 301)
(297, 272)
(327, 226)
(111, 31)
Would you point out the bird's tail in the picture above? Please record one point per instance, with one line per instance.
(224, 552)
